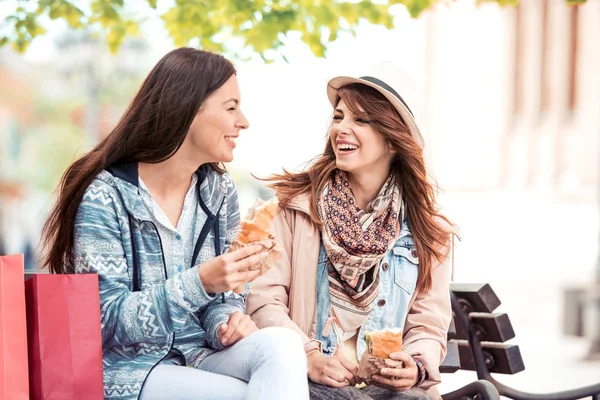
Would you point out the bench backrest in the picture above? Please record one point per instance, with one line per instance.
(493, 329)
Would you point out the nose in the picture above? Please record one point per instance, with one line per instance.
(343, 127)
(242, 122)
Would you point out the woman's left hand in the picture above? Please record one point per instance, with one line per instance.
(238, 327)
(398, 376)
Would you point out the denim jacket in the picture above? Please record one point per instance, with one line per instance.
(143, 308)
(399, 271)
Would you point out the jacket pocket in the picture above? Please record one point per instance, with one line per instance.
(406, 268)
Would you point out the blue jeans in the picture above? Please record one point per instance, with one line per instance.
(370, 392)
(268, 364)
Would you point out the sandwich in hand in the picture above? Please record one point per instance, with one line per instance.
(380, 344)
(256, 229)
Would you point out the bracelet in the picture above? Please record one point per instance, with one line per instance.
(422, 372)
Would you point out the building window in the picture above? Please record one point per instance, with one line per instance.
(572, 54)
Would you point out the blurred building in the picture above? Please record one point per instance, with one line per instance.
(529, 78)
(512, 105)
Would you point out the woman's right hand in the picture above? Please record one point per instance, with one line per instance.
(331, 371)
(230, 270)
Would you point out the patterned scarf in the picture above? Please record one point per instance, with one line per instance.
(356, 241)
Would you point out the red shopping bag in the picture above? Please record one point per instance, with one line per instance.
(14, 381)
(65, 343)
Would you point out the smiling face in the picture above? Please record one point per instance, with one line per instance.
(212, 134)
(357, 145)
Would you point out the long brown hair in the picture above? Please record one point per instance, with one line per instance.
(151, 130)
(408, 164)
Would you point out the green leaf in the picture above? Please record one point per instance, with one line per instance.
(502, 3)
(415, 7)
(21, 44)
(315, 44)
(55, 13)
(261, 24)
(132, 28)
(115, 37)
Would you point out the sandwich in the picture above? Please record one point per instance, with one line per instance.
(256, 229)
(380, 344)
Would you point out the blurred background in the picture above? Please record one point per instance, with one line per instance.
(508, 99)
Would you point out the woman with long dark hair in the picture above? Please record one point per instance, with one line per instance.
(152, 211)
(366, 250)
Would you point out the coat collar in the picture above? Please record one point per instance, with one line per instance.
(127, 182)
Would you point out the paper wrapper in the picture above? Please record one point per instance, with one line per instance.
(370, 365)
(256, 229)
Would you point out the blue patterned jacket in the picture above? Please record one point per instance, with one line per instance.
(144, 311)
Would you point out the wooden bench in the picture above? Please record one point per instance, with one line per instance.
(477, 342)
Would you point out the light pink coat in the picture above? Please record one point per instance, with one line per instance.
(286, 294)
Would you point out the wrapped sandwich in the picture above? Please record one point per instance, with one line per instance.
(380, 344)
(256, 229)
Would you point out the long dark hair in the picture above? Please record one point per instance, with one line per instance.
(408, 165)
(151, 130)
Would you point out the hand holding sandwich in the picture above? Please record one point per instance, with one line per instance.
(400, 373)
(385, 364)
(230, 270)
(255, 230)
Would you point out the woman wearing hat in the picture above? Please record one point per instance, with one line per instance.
(365, 249)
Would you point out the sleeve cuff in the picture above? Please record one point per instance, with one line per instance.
(202, 294)
(185, 290)
(312, 346)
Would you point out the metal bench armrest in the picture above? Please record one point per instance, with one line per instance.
(478, 390)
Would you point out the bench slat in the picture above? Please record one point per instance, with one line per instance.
(479, 296)
(501, 358)
(495, 327)
(452, 334)
(452, 361)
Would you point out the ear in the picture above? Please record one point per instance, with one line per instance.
(391, 150)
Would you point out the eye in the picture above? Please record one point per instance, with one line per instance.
(337, 117)
(231, 109)
(363, 121)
